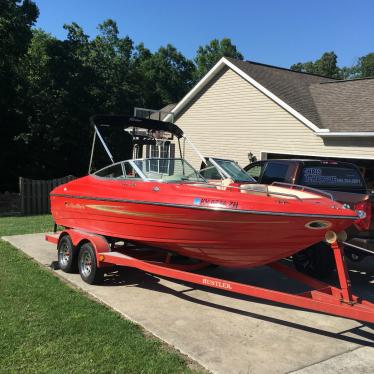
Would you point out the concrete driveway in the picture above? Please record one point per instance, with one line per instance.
(233, 334)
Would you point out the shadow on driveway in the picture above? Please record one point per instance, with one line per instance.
(262, 277)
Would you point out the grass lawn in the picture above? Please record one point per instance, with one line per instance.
(48, 327)
(25, 225)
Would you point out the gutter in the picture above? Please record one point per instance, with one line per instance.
(348, 134)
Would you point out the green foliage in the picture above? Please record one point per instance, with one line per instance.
(364, 67)
(207, 56)
(164, 77)
(325, 66)
(69, 80)
(16, 19)
(345, 72)
(60, 86)
(50, 88)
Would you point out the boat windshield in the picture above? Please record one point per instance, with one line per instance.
(229, 168)
(152, 169)
(168, 170)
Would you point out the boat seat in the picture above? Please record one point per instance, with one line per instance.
(250, 188)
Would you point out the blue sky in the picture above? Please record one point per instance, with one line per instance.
(269, 31)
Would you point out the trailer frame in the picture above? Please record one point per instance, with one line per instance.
(321, 298)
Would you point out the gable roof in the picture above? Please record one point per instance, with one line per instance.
(290, 86)
(345, 105)
(328, 107)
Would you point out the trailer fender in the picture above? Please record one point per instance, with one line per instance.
(99, 243)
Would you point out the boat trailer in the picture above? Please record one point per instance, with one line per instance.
(322, 298)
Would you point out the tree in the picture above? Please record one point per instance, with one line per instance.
(325, 66)
(346, 72)
(110, 58)
(164, 77)
(207, 56)
(297, 67)
(364, 67)
(71, 79)
(51, 87)
(61, 86)
(16, 20)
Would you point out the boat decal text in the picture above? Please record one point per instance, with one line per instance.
(216, 283)
(215, 203)
(74, 205)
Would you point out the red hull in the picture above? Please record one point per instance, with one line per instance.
(227, 228)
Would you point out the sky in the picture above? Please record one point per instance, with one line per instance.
(275, 32)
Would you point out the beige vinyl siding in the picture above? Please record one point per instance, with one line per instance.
(230, 118)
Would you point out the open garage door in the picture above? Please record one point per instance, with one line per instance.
(366, 166)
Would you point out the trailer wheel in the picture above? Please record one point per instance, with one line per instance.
(66, 255)
(87, 265)
(317, 260)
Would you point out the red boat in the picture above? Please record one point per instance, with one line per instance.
(166, 203)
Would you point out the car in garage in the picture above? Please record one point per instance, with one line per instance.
(346, 185)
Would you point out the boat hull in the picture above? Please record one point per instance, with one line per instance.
(229, 238)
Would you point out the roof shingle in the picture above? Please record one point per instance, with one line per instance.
(345, 105)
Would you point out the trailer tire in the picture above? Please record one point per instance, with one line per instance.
(67, 255)
(316, 260)
(87, 265)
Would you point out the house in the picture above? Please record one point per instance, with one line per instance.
(243, 107)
